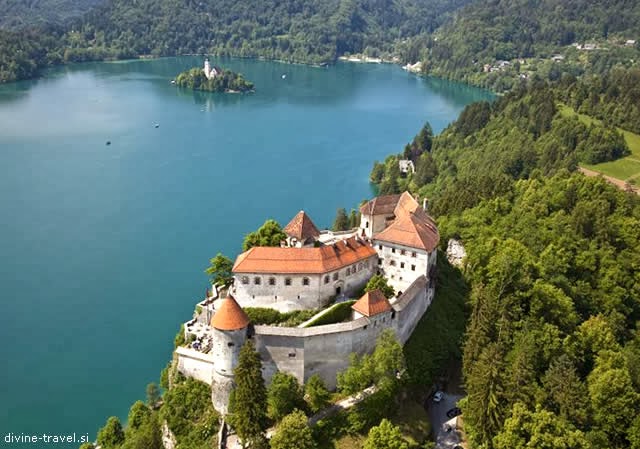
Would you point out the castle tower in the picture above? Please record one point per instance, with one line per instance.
(207, 68)
(230, 326)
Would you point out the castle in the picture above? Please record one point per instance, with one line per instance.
(310, 270)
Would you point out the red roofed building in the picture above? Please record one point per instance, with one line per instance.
(301, 231)
(372, 303)
(302, 278)
(378, 213)
(404, 235)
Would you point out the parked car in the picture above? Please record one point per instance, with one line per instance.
(437, 397)
(455, 411)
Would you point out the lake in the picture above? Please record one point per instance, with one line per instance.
(104, 246)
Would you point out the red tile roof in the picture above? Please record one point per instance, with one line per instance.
(415, 230)
(390, 204)
(318, 260)
(229, 316)
(384, 204)
(372, 303)
(301, 227)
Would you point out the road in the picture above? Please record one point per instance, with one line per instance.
(438, 416)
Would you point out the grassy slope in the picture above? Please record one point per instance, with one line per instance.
(626, 168)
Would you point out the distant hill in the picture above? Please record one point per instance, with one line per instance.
(486, 31)
(294, 30)
(15, 14)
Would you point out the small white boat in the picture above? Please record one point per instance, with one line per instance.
(157, 125)
(284, 76)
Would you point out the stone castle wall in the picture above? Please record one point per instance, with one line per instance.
(322, 350)
(325, 350)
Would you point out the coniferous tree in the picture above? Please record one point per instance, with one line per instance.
(111, 435)
(316, 393)
(341, 223)
(249, 414)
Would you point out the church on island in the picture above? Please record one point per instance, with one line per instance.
(211, 72)
(317, 270)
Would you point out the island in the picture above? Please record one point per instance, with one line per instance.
(213, 79)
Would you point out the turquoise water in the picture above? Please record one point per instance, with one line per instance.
(103, 247)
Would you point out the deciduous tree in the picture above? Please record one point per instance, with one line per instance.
(293, 432)
(385, 436)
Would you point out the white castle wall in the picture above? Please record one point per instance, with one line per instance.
(195, 364)
(297, 296)
(322, 350)
(400, 266)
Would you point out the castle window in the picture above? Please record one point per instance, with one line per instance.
(287, 281)
(380, 247)
(392, 263)
(413, 268)
(257, 280)
(326, 279)
(401, 264)
(366, 224)
(402, 252)
(414, 254)
(231, 344)
(393, 314)
(366, 263)
(292, 354)
(348, 271)
(245, 280)
(360, 266)
(305, 281)
(272, 281)
(393, 250)
(379, 261)
(365, 327)
(335, 276)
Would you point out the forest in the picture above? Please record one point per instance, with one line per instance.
(314, 32)
(530, 33)
(551, 353)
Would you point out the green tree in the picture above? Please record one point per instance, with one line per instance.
(385, 436)
(269, 234)
(566, 393)
(220, 270)
(111, 435)
(147, 436)
(377, 173)
(341, 223)
(249, 414)
(633, 434)
(354, 219)
(614, 401)
(538, 430)
(284, 394)
(316, 394)
(485, 385)
(87, 446)
(293, 432)
(138, 414)
(379, 282)
(153, 395)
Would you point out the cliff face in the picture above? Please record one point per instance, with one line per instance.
(168, 438)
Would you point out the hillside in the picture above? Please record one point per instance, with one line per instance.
(25, 13)
(552, 348)
(528, 34)
(307, 31)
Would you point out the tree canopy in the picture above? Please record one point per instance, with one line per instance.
(269, 234)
